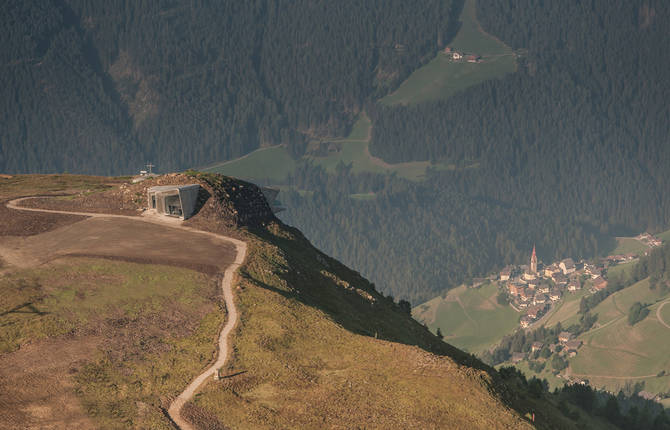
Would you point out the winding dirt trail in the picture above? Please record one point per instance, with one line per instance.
(658, 314)
(174, 411)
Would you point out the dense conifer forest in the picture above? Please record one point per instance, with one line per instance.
(582, 128)
(102, 87)
(570, 150)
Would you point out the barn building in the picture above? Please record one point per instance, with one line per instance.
(174, 200)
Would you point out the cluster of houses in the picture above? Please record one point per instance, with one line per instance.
(649, 240)
(533, 289)
(567, 345)
(460, 56)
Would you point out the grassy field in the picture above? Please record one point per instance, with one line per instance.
(628, 245)
(470, 319)
(566, 311)
(615, 352)
(665, 236)
(275, 163)
(363, 196)
(155, 327)
(618, 352)
(97, 343)
(441, 77)
(617, 305)
(665, 313)
(621, 269)
(546, 373)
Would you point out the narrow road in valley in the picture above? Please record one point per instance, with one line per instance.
(226, 286)
(658, 314)
(584, 375)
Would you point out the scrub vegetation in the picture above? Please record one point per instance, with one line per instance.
(154, 327)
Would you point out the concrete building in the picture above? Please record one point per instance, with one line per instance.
(174, 200)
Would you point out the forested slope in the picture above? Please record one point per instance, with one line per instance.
(581, 129)
(567, 152)
(102, 87)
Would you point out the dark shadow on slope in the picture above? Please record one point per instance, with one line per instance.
(320, 281)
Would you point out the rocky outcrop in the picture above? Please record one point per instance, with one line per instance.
(236, 202)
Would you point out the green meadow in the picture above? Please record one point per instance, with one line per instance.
(441, 77)
(275, 163)
(469, 318)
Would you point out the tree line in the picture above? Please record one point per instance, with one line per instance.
(102, 87)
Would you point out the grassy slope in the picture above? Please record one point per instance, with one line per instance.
(158, 325)
(566, 311)
(275, 163)
(615, 349)
(626, 245)
(621, 269)
(312, 331)
(619, 352)
(272, 163)
(469, 318)
(665, 313)
(307, 344)
(310, 354)
(665, 235)
(441, 78)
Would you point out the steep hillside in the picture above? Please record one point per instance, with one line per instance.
(103, 88)
(311, 330)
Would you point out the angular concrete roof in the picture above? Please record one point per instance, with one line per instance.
(160, 188)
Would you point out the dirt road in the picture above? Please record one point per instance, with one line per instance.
(226, 285)
(658, 314)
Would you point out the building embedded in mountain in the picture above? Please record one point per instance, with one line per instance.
(174, 200)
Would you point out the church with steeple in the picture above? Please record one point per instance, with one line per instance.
(533, 262)
(531, 271)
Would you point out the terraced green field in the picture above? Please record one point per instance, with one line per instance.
(441, 78)
(469, 318)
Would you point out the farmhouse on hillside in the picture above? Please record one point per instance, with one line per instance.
(564, 337)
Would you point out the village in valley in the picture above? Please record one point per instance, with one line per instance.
(535, 289)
